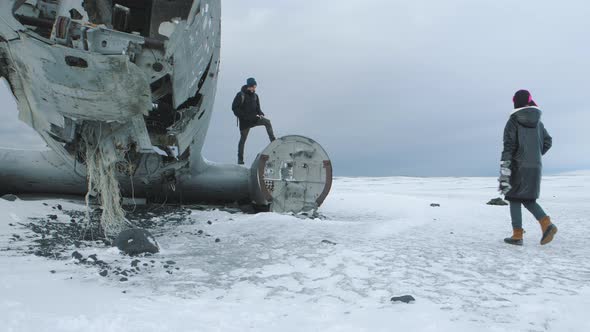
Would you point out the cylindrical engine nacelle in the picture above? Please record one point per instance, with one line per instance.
(293, 174)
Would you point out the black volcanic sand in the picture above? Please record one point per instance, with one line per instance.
(53, 239)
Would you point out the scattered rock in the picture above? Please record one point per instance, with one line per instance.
(497, 202)
(52, 271)
(10, 197)
(209, 222)
(404, 299)
(123, 279)
(200, 232)
(217, 240)
(55, 240)
(59, 207)
(328, 242)
(136, 241)
(435, 205)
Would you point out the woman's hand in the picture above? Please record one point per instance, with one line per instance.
(504, 179)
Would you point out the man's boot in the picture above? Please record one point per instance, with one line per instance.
(548, 230)
(516, 238)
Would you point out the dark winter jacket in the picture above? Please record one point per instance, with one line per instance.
(246, 107)
(525, 142)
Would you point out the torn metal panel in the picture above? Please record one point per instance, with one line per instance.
(28, 8)
(155, 65)
(198, 124)
(192, 45)
(109, 42)
(165, 11)
(9, 26)
(49, 8)
(141, 134)
(73, 9)
(79, 84)
(99, 11)
(21, 90)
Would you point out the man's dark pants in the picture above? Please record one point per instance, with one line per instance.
(244, 135)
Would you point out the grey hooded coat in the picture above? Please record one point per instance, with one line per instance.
(525, 142)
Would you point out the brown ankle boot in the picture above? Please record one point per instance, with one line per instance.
(516, 238)
(548, 230)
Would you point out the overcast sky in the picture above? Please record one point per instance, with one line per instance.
(392, 87)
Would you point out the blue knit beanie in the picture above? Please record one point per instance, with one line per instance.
(251, 82)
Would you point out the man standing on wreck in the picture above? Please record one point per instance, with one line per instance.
(246, 107)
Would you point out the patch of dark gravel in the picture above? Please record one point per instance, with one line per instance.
(52, 238)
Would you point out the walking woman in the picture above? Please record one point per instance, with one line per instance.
(525, 142)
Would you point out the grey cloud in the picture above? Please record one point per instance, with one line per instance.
(393, 87)
(412, 88)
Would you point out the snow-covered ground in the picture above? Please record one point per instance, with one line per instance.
(271, 272)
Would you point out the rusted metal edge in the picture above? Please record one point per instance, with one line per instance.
(153, 43)
(35, 21)
(261, 165)
(328, 186)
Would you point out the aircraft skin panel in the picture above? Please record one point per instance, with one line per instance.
(197, 127)
(192, 46)
(8, 24)
(104, 89)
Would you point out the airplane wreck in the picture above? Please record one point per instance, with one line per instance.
(122, 92)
